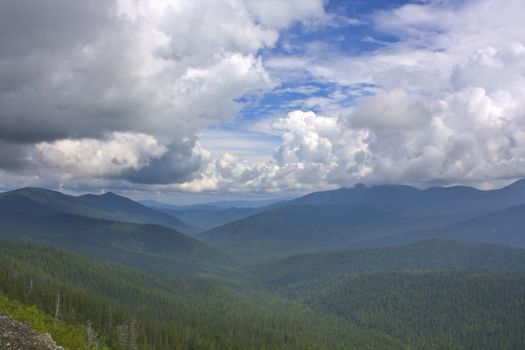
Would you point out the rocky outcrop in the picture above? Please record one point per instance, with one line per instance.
(19, 336)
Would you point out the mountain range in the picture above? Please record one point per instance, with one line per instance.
(107, 226)
(383, 267)
(108, 206)
(377, 216)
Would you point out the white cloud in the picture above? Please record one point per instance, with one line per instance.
(167, 69)
(445, 103)
(314, 150)
(390, 110)
(88, 158)
(449, 106)
(306, 137)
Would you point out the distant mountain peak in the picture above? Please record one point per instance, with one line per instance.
(35, 192)
(113, 195)
(109, 205)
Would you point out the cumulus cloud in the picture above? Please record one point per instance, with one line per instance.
(146, 67)
(449, 101)
(448, 106)
(316, 151)
(86, 158)
(134, 82)
(391, 110)
(131, 81)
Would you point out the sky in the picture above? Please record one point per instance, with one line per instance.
(193, 100)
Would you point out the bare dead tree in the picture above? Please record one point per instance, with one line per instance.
(91, 336)
(127, 335)
(133, 335)
(123, 334)
(58, 315)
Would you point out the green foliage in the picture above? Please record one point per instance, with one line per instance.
(293, 229)
(177, 313)
(145, 246)
(69, 336)
(427, 310)
(499, 227)
(424, 255)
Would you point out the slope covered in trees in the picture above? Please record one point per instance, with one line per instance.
(293, 229)
(109, 206)
(19, 336)
(424, 255)
(376, 216)
(500, 227)
(205, 218)
(427, 310)
(146, 246)
(185, 313)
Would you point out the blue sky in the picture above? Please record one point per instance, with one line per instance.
(194, 100)
(349, 31)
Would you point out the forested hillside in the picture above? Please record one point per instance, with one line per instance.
(145, 246)
(427, 310)
(423, 255)
(175, 313)
(292, 229)
(501, 227)
(109, 206)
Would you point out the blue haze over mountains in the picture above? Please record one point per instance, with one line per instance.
(375, 216)
(347, 218)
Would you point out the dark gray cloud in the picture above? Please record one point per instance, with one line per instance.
(28, 26)
(179, 164)
(51, 81)
(84, 69)
(13, 156)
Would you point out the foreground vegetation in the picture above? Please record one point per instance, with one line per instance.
(68, 336)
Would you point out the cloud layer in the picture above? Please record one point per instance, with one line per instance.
(117, 94)
(109, 89)
(446, 104)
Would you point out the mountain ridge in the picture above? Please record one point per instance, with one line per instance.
(108, 206)
(310, 222)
